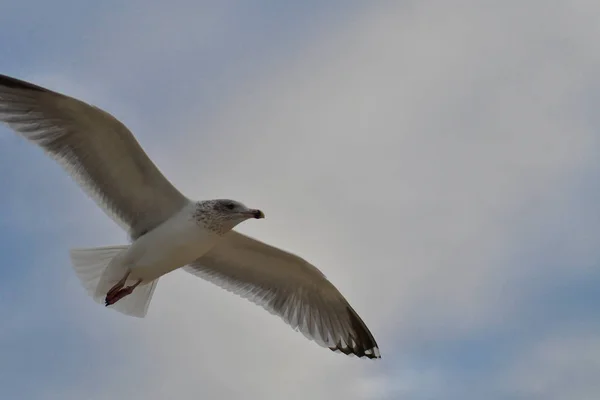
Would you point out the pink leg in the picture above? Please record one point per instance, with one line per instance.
(118, 286)
(117, 293)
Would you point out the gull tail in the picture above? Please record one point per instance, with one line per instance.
(98, 275)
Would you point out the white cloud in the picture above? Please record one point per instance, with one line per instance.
(397, 153)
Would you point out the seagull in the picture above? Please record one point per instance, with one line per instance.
(169, 231)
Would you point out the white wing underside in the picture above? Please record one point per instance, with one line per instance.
(97, 150)
(289, 287)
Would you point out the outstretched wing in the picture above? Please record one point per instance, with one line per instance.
(97, 150)
(290, 287)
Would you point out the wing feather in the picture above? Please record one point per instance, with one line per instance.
(97, 150)
(290, 287)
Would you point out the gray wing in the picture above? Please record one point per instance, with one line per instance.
(97, 150)
(287, 286)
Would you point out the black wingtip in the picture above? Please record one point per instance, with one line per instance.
(15, 83)
(361, 343)
(372, 354)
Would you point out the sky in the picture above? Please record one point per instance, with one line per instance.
(436, 160)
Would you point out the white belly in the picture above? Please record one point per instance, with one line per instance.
(174, 244)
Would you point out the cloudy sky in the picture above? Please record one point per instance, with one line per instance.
(437, 160)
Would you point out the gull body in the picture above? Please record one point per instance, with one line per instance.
(168, 231)
(180, 240)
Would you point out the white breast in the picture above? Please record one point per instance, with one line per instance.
(175, 243)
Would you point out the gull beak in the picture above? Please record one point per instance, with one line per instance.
(257, 214)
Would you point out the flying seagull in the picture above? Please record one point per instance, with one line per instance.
(168, 231)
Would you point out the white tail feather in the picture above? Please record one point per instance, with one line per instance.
(98, 275)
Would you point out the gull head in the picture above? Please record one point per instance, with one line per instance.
(234, 210)
(223, 214)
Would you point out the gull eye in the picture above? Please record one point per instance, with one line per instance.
(230, 206)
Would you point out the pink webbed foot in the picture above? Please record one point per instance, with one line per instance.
(116, 293)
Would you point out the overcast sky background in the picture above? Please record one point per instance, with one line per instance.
(437, 161)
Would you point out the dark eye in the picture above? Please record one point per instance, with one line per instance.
(230, 206)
